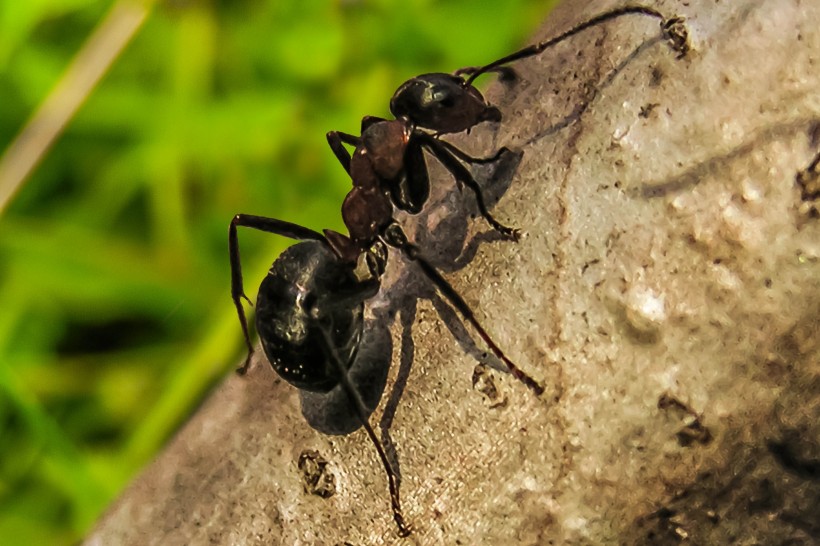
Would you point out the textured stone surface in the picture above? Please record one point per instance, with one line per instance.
(667, 294)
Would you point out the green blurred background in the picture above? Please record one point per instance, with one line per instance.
(115, 313)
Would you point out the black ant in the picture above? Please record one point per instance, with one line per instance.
(389, 154)
(310, 306)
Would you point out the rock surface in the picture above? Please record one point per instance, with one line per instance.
(667, 294)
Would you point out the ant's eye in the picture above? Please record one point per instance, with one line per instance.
(436, 97)
(444, 98)
(448, 101)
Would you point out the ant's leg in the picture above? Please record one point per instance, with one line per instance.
(348, 297)
(672, 28)
(395, 237)
(367, 121)
(270, 225)
(438, 149)
(411, 192)
(337, 140)
(361, 410)
(474, 160)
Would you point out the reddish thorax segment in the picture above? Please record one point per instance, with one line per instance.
(378, 161)
(383, 143)
(365, 211)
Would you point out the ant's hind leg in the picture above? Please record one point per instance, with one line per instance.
(270, 225)
(361, 410)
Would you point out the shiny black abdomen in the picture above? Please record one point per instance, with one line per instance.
(295, 300)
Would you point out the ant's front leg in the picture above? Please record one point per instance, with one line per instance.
(444, 153)
(270, 225)
(474, 160)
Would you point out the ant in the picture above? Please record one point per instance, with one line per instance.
(389, 154)
(310, 306)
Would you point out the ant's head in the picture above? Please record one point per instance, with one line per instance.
(442, 103)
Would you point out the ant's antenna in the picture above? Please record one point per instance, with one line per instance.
(672, 28)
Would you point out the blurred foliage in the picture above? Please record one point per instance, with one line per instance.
(114, 282)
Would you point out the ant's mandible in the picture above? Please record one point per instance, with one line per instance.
(310, 307)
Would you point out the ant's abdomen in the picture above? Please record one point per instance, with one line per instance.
(287, 306)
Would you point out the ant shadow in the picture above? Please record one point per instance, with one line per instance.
(447, 249)
(596, 91)
(332, 413)
(589, 92)
(691, 176)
